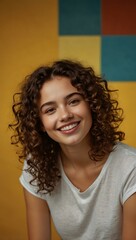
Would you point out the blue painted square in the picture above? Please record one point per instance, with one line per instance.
(79, 17)
(119, 58)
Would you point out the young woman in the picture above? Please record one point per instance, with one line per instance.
(76, 169)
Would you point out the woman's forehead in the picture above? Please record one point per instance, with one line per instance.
(57, 87)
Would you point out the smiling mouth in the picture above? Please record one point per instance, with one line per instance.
(69, 127)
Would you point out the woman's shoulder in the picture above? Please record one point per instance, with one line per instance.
(124, 156)
(125, 149)
(26, 180)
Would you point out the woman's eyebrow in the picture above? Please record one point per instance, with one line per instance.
(66, 97)
(72, 94)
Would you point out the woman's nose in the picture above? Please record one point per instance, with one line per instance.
(65, 114)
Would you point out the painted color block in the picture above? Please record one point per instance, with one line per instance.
(119, 57)
(84, 49)
(127, 100)
(79, 17)
(118, 17)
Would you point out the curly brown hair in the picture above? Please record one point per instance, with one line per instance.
(44, 151)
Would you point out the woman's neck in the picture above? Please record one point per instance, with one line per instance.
(76, 155)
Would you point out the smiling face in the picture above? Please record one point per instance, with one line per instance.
(64, 113)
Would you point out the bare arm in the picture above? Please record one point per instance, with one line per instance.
(129, 219)
(38, 218)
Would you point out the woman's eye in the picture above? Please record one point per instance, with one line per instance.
(74, 102)
(49, 111)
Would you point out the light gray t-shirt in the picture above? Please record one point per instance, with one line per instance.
(95, 214)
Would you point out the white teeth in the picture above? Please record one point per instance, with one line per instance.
(69, 127)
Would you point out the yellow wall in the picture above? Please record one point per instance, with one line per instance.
(29, 37)
(127, 100)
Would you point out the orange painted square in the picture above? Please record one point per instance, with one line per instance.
(118, 17)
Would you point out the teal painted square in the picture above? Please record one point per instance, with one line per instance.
(79, 17)
(119, 58)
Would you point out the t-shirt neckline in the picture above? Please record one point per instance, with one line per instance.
(96, 181)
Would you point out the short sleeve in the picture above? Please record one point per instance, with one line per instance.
(130, 185)
(25, 179)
